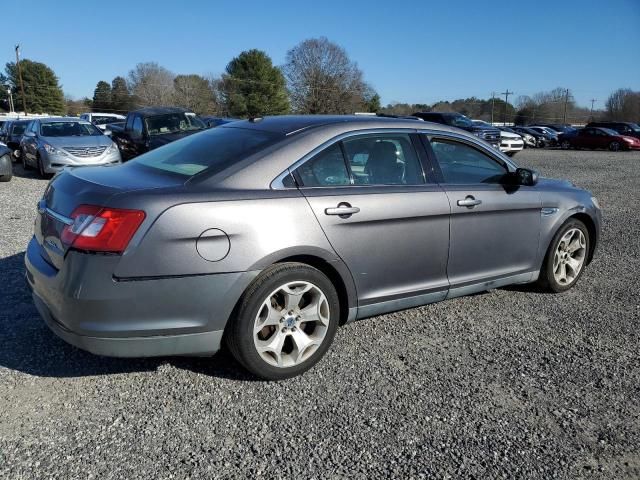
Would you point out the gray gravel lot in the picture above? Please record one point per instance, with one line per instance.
(506, 384)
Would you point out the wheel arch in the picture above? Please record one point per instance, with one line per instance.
(329, 264)
(591, 228)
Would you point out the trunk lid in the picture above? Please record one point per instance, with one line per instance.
(86, 186)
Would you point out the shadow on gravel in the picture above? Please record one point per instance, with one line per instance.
(19, 171)
(28, 346)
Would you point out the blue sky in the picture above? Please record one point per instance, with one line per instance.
(410, 51)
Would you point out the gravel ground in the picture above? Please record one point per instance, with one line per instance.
(506, 384)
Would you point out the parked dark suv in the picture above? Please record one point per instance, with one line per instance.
(623, 128)
(488, 133)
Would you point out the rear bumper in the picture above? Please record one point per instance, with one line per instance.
(84, 305)
(205, 343)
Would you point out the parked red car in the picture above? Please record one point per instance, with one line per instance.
(596, 137)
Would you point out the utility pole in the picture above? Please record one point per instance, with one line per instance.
(24, 101)
(593, 100)
(11, 107)
(566, 100)
(506, 100)
(493, 99)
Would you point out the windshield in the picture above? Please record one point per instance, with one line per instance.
(68, 129)
(173, 123)
(634, 127)
(18, 128)
(104, 120)
(459, 121)
(214, 149)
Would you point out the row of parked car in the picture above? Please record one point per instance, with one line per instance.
(48, 144)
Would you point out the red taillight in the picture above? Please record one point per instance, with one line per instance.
(101, 229)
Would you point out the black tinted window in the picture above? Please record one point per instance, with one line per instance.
(212, 150)
(463, 164)
(326, 169)
(388, 159)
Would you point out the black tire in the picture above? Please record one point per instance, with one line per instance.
(547, 280)
(6, 178)
(25, 165)
(566, 145)
(615, 146)
(239, 332)
(41, 171)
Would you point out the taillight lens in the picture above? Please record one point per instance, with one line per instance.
(102, 229)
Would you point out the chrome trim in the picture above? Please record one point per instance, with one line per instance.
(277, 183)
(43, 209)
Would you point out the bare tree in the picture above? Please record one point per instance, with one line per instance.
(194, 93)
(624, 105)
(322, 79)
(151, 84)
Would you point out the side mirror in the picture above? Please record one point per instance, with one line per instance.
(29, 134)
(107, 132)
(526, 177)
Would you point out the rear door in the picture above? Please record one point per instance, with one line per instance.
(494, 228)
(384, 218)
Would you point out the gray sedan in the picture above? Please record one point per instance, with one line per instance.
(268, 234)
(50, 144)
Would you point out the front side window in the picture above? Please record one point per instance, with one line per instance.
(463, 164)
(18, 128)
(136, 131)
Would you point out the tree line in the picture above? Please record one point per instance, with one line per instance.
(318, 77)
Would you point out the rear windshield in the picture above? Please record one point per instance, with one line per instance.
(214, 149)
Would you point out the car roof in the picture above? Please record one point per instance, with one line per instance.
(104, 114)
(150, 111)
(58, 119)
(289, 124)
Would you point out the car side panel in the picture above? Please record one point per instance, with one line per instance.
(253, 230)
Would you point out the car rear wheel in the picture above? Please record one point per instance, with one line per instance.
(25, 165)
(41, 171)
(614, 146)
(566, 257)
(8, 176)
(284, 322)
(566, 145)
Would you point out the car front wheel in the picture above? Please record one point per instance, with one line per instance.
(566, 145)
(614, 146)
(566, 257)
(284, 322)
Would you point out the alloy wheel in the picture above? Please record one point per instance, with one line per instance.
(291, 324)
(569, 256)
(614, 146)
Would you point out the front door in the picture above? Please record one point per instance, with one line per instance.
(494, 227)
(388, 224)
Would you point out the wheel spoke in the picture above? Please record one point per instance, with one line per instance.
(293, 295)
(302, 342)
(272, 317)
(574, 265)
(273, 345)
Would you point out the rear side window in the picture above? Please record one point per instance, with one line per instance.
(386, 159)
(462, 164)
(212, 150)
(326, 169)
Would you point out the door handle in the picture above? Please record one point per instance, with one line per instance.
(343, 210)
(469, 202)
